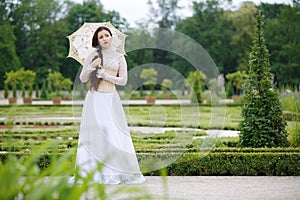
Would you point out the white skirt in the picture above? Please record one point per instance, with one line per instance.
(105, 140)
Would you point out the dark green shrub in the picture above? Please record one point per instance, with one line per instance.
(37, 91)
(6, 93)
(263, 124)
(237, 164)
(14, 92)
(23, 91)
(44, 91)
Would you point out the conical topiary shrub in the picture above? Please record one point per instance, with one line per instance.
(263, 124)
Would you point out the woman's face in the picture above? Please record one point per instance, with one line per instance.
(104, 39)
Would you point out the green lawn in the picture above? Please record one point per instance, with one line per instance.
(27, 135)
(156, 115)
(184, 116)
(204, 117)
(36, 111)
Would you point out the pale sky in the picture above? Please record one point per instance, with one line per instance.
(134, 10)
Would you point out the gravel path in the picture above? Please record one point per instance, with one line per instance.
(215, 188)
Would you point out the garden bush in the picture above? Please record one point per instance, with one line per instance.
(216, 162)
(262, 124)
(237, 164)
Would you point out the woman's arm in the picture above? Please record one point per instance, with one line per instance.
(89, 66)
(121, 79)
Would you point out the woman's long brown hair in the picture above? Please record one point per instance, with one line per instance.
(93, 78)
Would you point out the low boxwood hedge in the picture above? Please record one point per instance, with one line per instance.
(213, 163)
(237, 164)
(291, 116)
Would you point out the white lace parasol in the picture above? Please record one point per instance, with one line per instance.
(81, 40)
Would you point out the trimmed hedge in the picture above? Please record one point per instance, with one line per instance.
(221, 150)
(216, 164)
(237, 164)
(291, 116)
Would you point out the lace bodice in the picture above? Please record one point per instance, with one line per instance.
(115, 70)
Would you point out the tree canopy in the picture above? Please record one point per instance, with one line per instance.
(34, 35)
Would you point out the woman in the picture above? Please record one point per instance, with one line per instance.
(104, 136)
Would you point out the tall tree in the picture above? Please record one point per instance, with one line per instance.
(296, 2)
(38, 37)
(8, 57)
(209, 27)
(137, 38)
(91, 11)
(270, 11)
(242, 24)
(165, 16)
(282, 35)
(263, 124)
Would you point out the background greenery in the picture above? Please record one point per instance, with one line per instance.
(33, 35)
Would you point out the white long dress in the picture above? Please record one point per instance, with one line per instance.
(104, 136)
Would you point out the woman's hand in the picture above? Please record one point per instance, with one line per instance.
(95, 63)
(100, 73)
